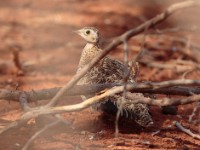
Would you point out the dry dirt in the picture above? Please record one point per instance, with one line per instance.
(49, 54)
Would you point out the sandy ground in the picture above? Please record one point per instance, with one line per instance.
(49, 54)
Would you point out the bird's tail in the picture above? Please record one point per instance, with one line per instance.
(138, 112)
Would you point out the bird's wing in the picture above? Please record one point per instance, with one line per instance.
(108, 70)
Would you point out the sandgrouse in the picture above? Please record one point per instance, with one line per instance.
(109, 71)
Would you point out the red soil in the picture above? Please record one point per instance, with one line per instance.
(50, 54)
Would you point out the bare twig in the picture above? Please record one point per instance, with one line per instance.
(11, 126)
(196, 106)
(134, 61)
(96, 99)
(142, 48)
(48, 109)
(185, 74)
(175, 66)
(126, 77)
(191, 50)
(187, 131)
(24, 101)
(127, 35)
(39, 133)
(175, 29)
(15, 49)
(172, 87)
(164, 101)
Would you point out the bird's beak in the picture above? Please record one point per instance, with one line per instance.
(77, 32)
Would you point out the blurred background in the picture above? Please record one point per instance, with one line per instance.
(42, 31)
(38, 49)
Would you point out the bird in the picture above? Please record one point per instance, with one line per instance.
(109, 70)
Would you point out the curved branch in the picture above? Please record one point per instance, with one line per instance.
(96, 99)
(187, 131)
(127, 35)
(48, 109)
(164, 101)
(172, 87)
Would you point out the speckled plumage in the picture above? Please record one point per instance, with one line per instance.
(109, 71)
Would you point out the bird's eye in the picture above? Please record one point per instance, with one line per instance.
(88, 32)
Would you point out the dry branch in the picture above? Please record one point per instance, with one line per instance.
(175, 66)
(172, 87)
(23, 99)
(48, 109)
(190, 50)
(124, 37)
(96, 99)
(187, 131)
(164, 101)
(25, 147)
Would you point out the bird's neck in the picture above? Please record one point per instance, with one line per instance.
(90, 51)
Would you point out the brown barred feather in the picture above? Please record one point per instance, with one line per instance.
(111, 71)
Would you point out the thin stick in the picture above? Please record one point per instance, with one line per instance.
(126, 77)
(172, 87)
(96, 99)
(127, 35)
(164, 101)
(24, 102)
(196, 106)
(187, 131)
(39, 133)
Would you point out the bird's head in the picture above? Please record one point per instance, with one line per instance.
(90, 34)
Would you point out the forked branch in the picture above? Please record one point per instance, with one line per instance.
(172, 87)
(119, 40)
